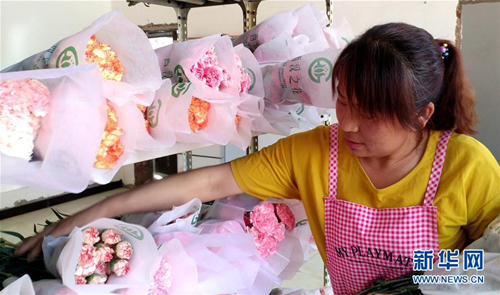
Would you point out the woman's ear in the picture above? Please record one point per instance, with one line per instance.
(425, 114)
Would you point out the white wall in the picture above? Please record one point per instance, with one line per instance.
(28, 27)
(481, 52)
(438, 17)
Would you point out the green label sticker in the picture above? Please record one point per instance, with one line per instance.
(251, 74)
(67, 58)
(180, 88)
(131, 230)
(300, 223)
(179, 72)
(195, 219)
(320, 70)
(153, 112)
(301, 109)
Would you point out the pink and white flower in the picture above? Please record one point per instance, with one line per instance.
(80, 280)
(104, 253)
(101, 268)
(111, 236)
(245, 79)
(263, 217)
(91, 236)
(120, 267)
(266, 244)
(268, 223)
(23, 104)
(286, 216)
(208, 71)
(124, 250)
(162, 280)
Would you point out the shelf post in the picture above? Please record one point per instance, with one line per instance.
(249, 21)
(329, 11)
(182, 30)
(249, 13)
(187, 159)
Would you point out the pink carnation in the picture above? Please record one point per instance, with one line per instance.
(91, 236)
(120, 267)
(162, 279)
(263, 218)
(266, 244)
(104, 253)
(286, 216)
(111, 236)
(245, 79)
(101, 268)
(87, 255)
(79, 280)
(87, 261)
(226, 79)
(209, 59)
(198, 70)
(23, 104)
(85, 270)
(212, 77)
(124, 250)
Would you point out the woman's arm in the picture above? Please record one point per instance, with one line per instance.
(207, 184)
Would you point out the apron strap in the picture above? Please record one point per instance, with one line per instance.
(437, 168)
(333, 166)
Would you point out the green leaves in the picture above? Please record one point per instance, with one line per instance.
(18, 266)
(15, 234)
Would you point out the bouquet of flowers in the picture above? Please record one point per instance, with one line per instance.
(103, 254)
(160, 130)
(198, 113)
(23, 104)
(283, 22)
(135, 77)
(280, 242)
(306, 79)
(307, 37)
(55, 123)
(250, 101)
(206, 81)
(267, 223)
(339, 34)
(178, 219)
(117, 141)
(98, 259)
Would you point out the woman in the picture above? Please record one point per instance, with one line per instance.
(396, 174)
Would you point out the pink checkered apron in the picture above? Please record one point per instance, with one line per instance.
(365, 244)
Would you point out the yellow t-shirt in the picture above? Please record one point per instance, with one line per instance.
(467, 200)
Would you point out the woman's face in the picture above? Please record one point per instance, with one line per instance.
(370, 137)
